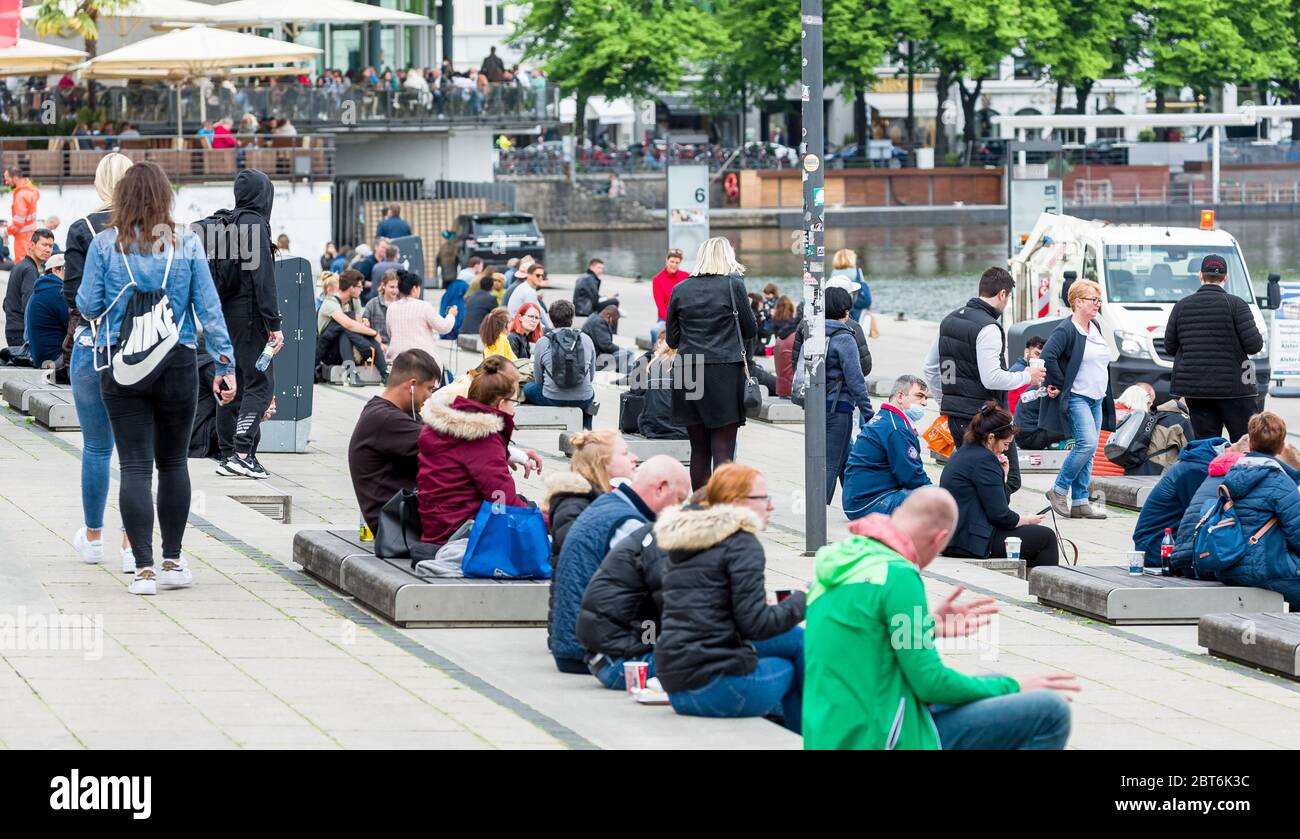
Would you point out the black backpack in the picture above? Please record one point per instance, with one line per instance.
(568, 358)
(223, 244)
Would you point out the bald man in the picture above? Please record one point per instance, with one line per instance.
(873, 678)
(657, 484)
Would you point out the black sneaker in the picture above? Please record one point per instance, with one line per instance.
(258, 467)
(223, 468)
(246, 466)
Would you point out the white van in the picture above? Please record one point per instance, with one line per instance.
(1143, 271)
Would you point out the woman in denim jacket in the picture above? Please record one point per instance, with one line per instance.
(152, 423)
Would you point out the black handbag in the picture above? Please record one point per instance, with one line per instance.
(399, 526)
(753, 401)
(630, 406)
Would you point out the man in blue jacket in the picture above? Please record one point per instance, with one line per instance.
(1169, 499)
(46, 318)
(885, 464)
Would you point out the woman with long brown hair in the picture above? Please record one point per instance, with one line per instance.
(494, 333)
(151, 399)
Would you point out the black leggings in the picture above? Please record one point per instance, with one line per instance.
(153, 426)
(1037, 546)
(710, 448)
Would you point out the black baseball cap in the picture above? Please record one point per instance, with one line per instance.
(1214, 264)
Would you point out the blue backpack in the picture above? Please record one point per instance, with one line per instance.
(1219, 543)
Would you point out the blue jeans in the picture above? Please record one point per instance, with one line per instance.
(1076, 472)
(611, 675)
(884, 503)
(96, 432)
(533, 396)
(1039, 719)
(775, 686)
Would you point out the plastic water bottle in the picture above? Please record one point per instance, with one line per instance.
(1166, 550)
(264, 360)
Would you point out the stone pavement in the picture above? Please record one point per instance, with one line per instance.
(256, 654)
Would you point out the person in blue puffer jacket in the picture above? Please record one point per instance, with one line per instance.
(454, 295)
(885, 464)
(846, 386)
(1170, 497)
(1263, 490)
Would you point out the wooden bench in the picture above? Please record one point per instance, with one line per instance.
(1128, 492)
(1111, 594)
(341, 560)
(348, 373)
(1266, 640)
(470, 343)
(543, 416)
(18, 392)
(644, 448)
(55, 409)
(776, 410)
(1047, 462)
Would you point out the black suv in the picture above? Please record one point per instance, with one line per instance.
(498, 237)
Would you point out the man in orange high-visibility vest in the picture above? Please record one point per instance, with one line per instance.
(23, 222)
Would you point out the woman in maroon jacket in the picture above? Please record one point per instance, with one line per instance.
(463, 457)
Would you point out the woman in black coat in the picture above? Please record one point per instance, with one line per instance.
(976, 476)
(1077, 356)
(710, 319)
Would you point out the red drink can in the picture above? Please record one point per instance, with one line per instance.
(634, 674)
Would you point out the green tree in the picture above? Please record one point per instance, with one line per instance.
(59, 19)
(614, 48)
(907, 28)
(1082, 41)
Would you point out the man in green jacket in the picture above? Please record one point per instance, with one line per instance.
(873, 678)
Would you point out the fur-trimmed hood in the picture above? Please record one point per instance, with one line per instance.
(567, 483)
(463, 418)
(693, 529)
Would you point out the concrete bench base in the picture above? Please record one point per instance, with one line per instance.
(350, 374)
(470, 343)
(643, 342)
(55, 410)
(19, 391)
(8, 374)
(779, 411)
(542, 416)
(1031, 463)
(1128, 492)
(643, 448)
(1110, 594)
(1265, 640)
(1012, 567)
(341, 560)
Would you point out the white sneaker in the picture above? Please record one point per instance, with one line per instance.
(144, 582)
(92, 553)
(175, 573)
(128, 561)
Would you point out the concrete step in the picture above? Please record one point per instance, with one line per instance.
(776, 410)
(643, 342)
(1112, 595)
(1265, 640)
(643, 448)
(470, 343)
(340, 559)
(543, 416)
(19, 391)
(350, 374)
(54, 409)
(1129, 492)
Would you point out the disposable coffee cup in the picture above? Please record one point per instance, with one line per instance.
(1013, 547)
(634, 675)
(1037, 362)
(1136, 563)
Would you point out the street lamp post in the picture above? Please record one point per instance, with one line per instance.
(814, 257)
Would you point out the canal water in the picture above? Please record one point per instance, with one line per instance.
(923, 271)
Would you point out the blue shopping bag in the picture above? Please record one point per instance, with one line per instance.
(508, 543)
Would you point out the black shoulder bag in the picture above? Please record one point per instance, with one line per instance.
(753, 390)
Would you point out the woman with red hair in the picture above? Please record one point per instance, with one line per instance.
(525, 330)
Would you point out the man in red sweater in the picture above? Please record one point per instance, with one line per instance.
(662, 286)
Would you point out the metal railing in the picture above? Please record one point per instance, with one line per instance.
(73, 159)
(1104, 193)
(152, 106)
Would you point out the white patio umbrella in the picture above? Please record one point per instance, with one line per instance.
(309, 12)
(196, 53)
(35, 58)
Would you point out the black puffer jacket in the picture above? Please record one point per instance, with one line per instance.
(1211, 335)
(567, 495)
(701, 320)
(601, 334)
(586, 294)
(622, 605)
(714, 599)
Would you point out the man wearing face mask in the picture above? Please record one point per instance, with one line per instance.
(885, 464)
(382, 455)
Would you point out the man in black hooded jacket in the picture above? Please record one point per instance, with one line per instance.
(245, 281)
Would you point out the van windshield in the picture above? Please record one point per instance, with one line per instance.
(497, 226)
(1166, 273)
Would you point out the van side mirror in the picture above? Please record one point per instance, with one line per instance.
(1274, 298)
(1068, 279)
